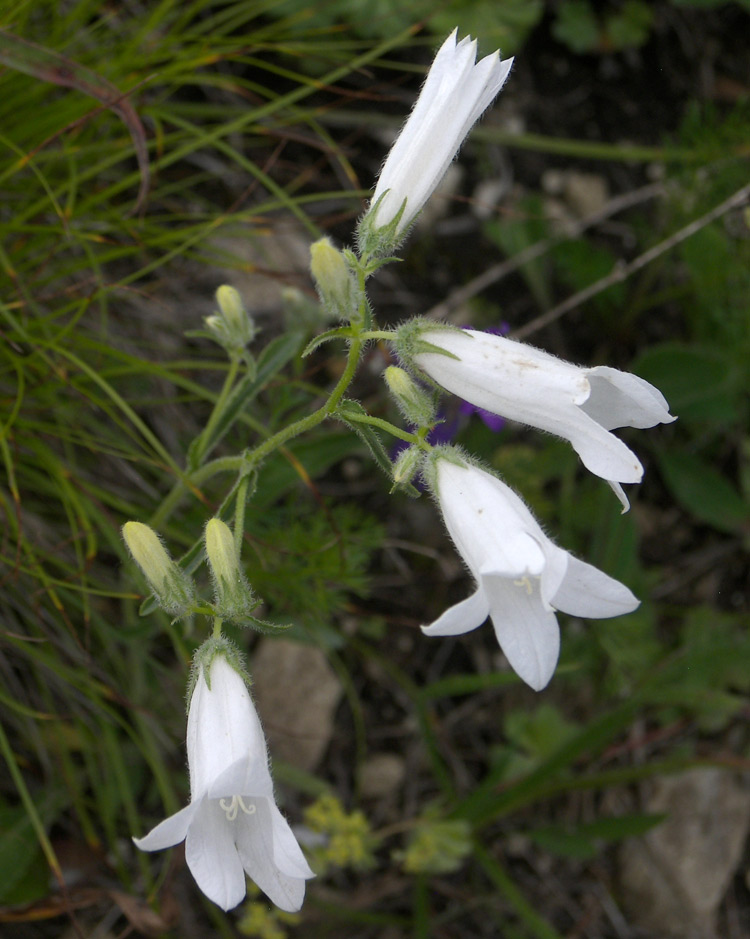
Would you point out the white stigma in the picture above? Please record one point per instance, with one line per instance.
(232, 806)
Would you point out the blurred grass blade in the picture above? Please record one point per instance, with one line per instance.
(49, 66)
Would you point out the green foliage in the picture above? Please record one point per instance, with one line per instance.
(307, 561)
(436, 845)
(576, 26)
(707, 676)
(524, 228)
(704, 383)
(709, 3)
(705, 492)
(581, 262)
(21, 859)
(582, 29)
(531, 738)
(503, 26)
(585, 841)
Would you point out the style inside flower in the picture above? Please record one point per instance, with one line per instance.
(525, 384)
(455, 93)
(522, 577)
(232, 825)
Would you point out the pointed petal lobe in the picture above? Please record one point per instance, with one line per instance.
(461, 617)
(212, 857)
(528, 633)
(255, 846)
(587, 591)
(169, 832)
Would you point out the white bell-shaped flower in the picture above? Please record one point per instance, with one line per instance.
(455, 93)
(522, 577)
(525, 384)
(232, 825)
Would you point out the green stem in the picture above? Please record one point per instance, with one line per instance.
(194, 480)
(387, 334)
(253, 458)
(217, 412)
(239, 514)
(389, 428)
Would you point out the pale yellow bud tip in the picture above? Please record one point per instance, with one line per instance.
(327, 263)
(399, 381)
(221, 552)
(147, 550)
(231, 306)
(173, 588)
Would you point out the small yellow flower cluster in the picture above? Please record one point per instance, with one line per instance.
(349, 841)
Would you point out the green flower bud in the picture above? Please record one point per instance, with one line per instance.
(232, 327)
(417, 405)
(337, 285)
(234, 597)
(173, 588)
(406, 466)
(232, 308)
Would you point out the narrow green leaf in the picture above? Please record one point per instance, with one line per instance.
(341, 332)
(705, 492)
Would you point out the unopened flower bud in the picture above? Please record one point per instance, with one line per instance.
(232, 308)
(234, 597)
(337, 285)
(173, 588)
(417, 405)
(232, 327)
(406, 466)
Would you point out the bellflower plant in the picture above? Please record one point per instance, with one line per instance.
(522, 577)
(232, 825)
(525, 384)
(455, 93)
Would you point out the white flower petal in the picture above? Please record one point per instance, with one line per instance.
(601, 452)
(620, 493)
(587, 591)
(255, 834)
(493, 372)
(223, 726)
(619, 399)
(527, 632)
(286, 850)
(554, 573)
(169, 832)
(249, 776)
(212, 857)
(492, 529)
(461, 617)
(455, 93)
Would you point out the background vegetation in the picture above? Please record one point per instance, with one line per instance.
(150, 152)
